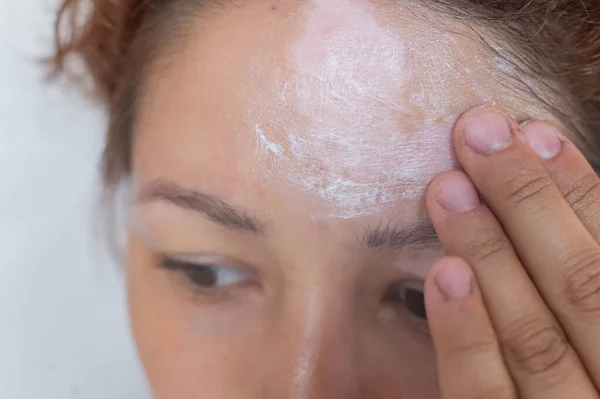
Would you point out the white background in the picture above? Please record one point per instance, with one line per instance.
(63, 321)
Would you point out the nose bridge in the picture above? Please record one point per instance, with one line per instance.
(310, 339)
(321, 359)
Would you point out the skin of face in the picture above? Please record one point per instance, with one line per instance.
(285, 148)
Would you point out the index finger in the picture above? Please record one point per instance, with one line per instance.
(469, 359)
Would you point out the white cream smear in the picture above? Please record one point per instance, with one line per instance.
(361, 115)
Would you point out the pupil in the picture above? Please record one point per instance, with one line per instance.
(205, 276)
(413, 299)
(415, 302)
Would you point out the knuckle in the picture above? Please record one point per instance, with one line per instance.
(486, 247)
(473, 349)
(582, 284)
(535, 346)
(585, 192)
(524, 187)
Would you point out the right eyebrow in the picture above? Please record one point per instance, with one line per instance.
(395, 237)
(212, 207)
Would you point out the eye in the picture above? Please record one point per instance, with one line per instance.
(409, 295)
(206, 276)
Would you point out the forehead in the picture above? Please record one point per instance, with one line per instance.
(346, 105)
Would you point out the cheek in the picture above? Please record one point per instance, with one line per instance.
(414, 376)
(186, 352)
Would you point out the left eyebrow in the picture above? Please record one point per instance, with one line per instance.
(389, 237)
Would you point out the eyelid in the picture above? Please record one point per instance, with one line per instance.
(218, 262)
(414, 284)
(208, 260)
(183, 269)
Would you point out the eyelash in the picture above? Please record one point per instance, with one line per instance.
(203, 279)
(412, 301)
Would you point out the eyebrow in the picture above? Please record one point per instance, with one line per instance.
(382, 237)
(389, 237)
(211, 206)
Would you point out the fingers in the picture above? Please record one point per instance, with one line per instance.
(538, 356)
(574, 177)
(555, 247)
(469, 361)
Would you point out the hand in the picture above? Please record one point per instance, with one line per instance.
(514, 309)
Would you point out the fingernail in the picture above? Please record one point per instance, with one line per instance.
(454, 280)
(543, 138)
(488, 132)
(457, 194)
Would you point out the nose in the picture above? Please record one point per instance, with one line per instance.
(318, 353)
(328, 342)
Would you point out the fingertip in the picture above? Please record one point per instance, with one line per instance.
(543, 138)
(437, 299)
(452, 278)
(460, 128)
(434, 187)
(451, 192)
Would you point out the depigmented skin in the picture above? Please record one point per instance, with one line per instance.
(321, 120)
(359, 119)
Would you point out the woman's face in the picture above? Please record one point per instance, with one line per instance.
(278, 240)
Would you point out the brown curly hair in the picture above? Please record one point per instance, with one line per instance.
(556, 42)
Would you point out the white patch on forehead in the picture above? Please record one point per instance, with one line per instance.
(361, 116)
(267, 144)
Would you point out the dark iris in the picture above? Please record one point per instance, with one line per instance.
(415, 302)
(412, 298)
(204, 276)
